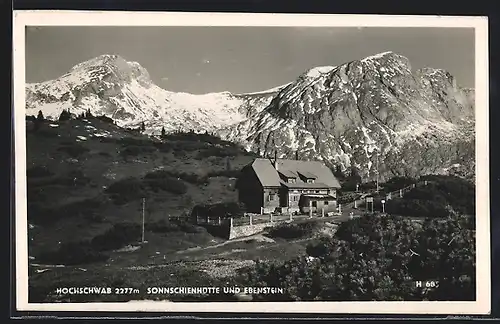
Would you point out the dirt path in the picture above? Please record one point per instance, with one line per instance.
(258, 237)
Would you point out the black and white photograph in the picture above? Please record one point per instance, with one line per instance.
(251, 162)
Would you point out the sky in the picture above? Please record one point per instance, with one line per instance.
(242, 59)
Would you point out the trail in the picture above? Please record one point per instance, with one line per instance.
(257, 236)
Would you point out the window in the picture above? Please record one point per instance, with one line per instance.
(316, 191)
(310, 180)
(272, 196)
(326, 202)
(291, 180)
(315, 204)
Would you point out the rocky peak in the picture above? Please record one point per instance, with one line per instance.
(113, 68)
(374, 106)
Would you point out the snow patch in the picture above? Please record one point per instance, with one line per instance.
(376, 56)
(318, 71)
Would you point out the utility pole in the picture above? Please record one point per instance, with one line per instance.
(143, 216)
(377, 171)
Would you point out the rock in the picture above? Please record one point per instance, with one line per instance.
(416, 122)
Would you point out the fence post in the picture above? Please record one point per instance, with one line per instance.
(231, 222)
(322, 212)
(425, 183)
(400, 193)
(251, 219)
(413, 185)
(262, 210)
(219, 220)
(340, 209)
(271, 217)
(355, 204)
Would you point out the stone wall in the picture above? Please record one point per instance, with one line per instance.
(247, 230)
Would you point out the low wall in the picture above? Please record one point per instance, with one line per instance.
(247, 230)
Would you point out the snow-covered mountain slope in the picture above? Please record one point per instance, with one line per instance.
(416, 122)
(108, 85)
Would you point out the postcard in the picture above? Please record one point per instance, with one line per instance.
(251, 163)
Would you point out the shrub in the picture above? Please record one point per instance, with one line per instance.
(74, 178)
(188, 177)
(218, 152)
(73, 253)
(118, 236)
(397, 183)
(41, 214)
(225, 173)
(126, 190)
(75, 150)
(137, 150)
(223, 210)
(131, 141)
(435, 199)
(190, 228)
(45, 132)
(163, 181)
(105, 154)
(292, 230)
(371, 259)
(161, 226)
(104, 119)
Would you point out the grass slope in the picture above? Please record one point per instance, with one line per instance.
(72, 165)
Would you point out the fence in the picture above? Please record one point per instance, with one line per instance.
(390, 195)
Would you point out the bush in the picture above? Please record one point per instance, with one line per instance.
(104, 119)
(137, 150)
(371, 259)
(188, 177)
(118, 236)
(223, 210)
(126, 190)
(190, 228)
(74, 178)
(194, 137)
(225, 173)
(41, 214)
(45, 132)
(75, 150)
(162, 181)
(105, 154)
(131, 141)
(218, 152)
(161, 226)
(435, 199)
(397, 183)
(292, 230)
(73, 253)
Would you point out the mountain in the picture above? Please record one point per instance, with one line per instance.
(111, 86)
(416, 122)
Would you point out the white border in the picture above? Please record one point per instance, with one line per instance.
(22, 19)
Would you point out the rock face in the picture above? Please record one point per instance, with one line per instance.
(109, 85)
(373, 114)
(415, 122)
